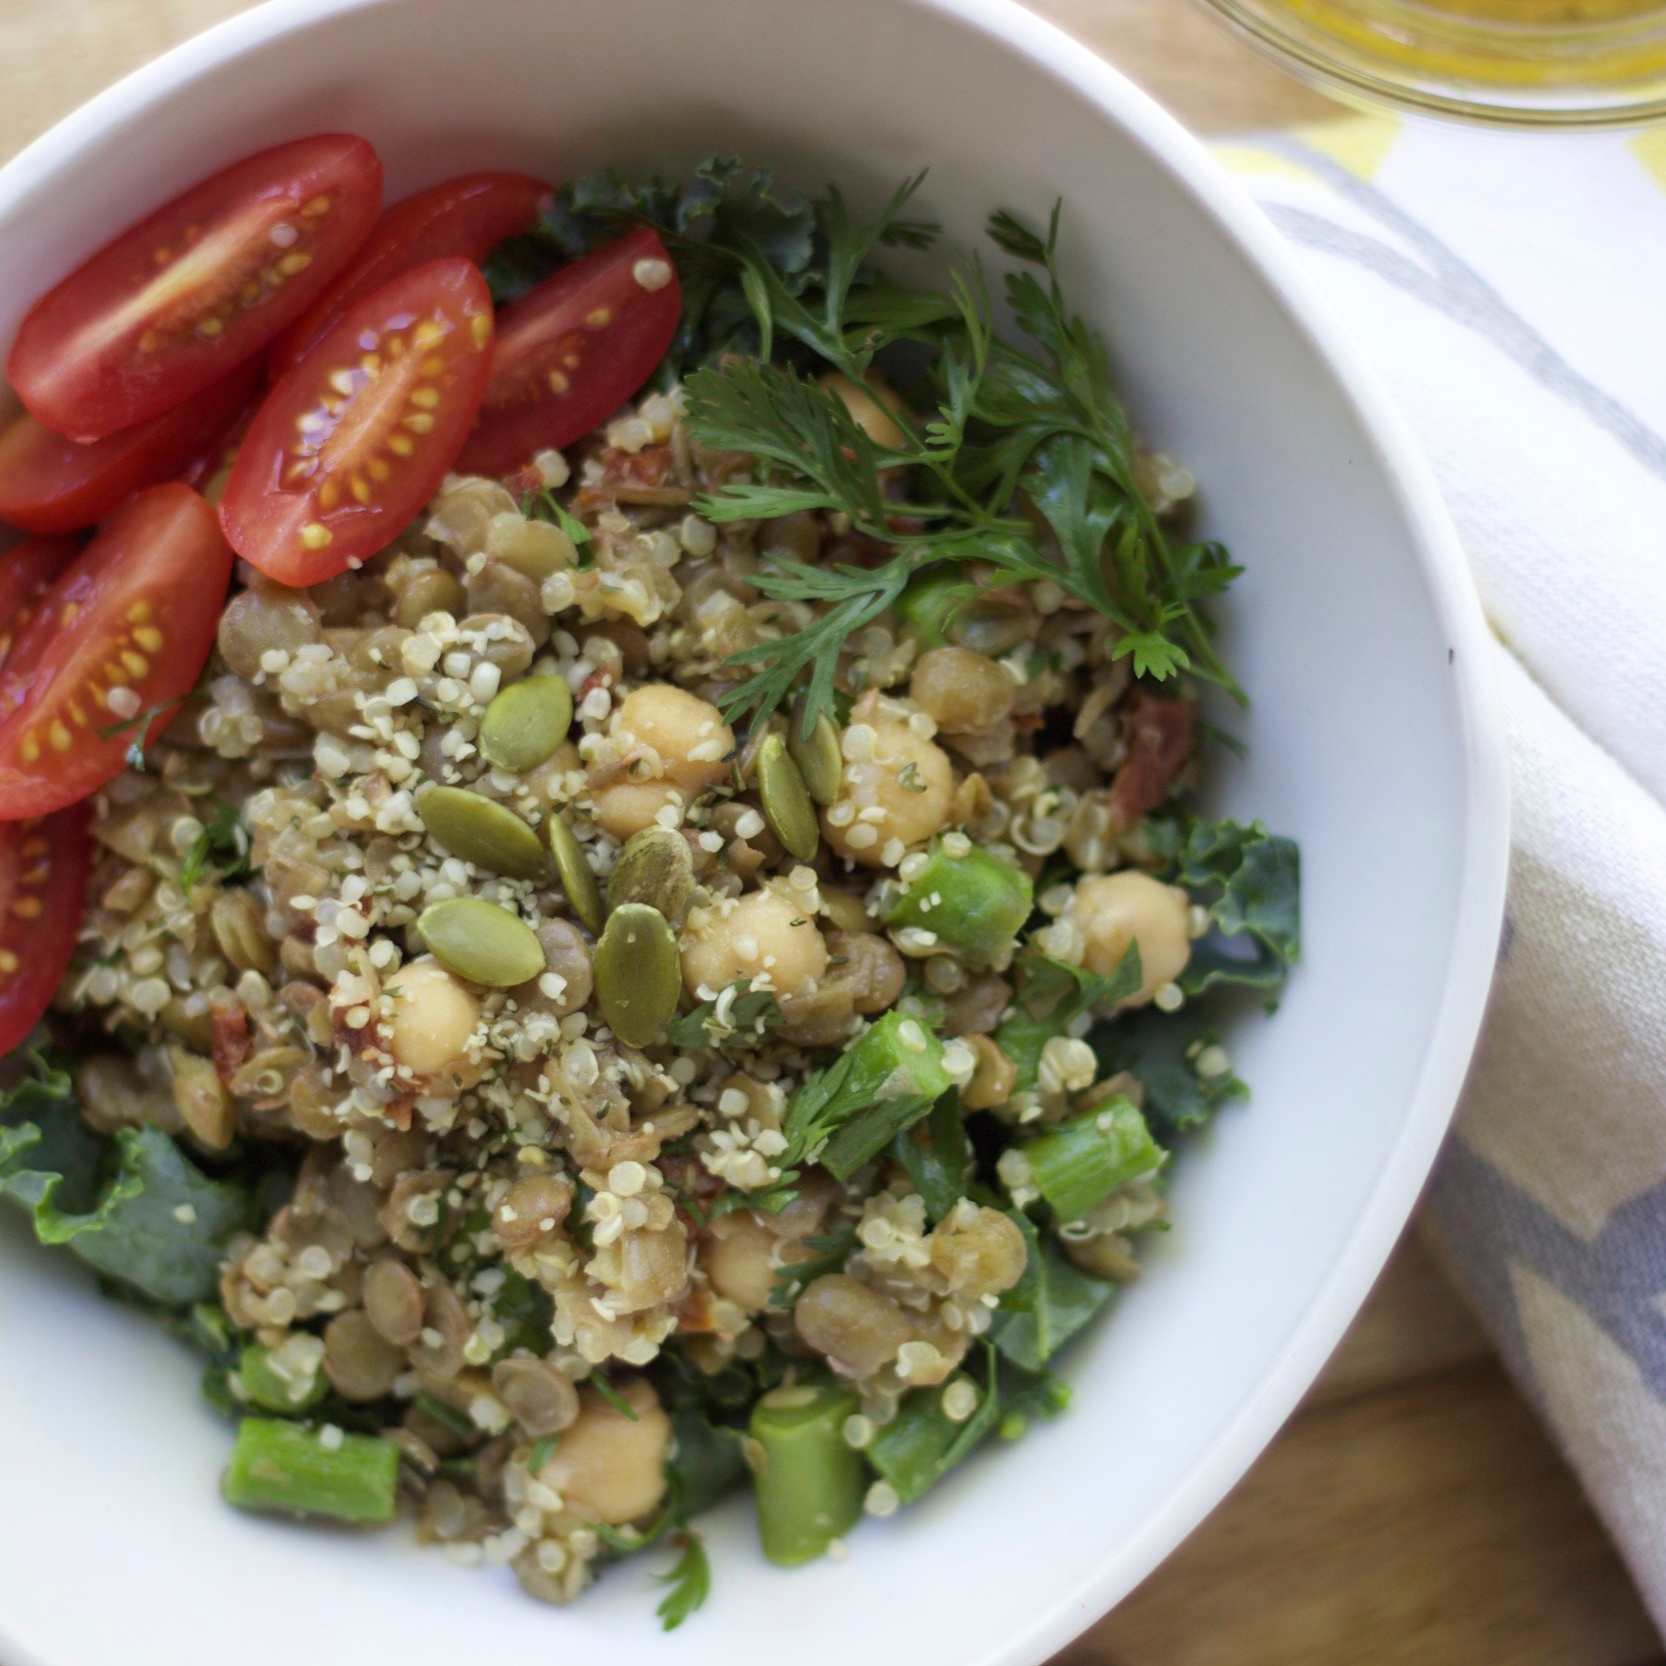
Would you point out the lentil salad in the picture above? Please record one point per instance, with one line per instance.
(683, 962)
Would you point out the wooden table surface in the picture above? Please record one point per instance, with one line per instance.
(1412, 1513)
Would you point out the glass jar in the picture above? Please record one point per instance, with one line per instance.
(1513, 63)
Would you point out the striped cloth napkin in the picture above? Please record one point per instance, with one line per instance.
(1512, 292)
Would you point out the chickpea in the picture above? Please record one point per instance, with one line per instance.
(857, 1329)
(762, 932)
(889, 767)
(671, 723)
(626, 807)
(608, 1468)
(434, 1014)
(675, 724)
(869, 412)
(964, 692)
(1113, 910)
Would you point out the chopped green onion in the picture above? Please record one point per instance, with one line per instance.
(808, 1479)
(270, 1389)
(975, 903)
(312, 1472)
(922, 1443)
(1078, 1162)
(847, 1114)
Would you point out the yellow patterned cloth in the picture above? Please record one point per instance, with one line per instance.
(1512, 292)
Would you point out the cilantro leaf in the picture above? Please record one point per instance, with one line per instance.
(828, 1254)
(690, 1579)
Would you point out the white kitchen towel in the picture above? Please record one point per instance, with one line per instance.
(1511, 290)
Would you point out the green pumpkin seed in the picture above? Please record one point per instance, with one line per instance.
(481, 942)
(584, 895)
(656, 867)
(482, 831)
(788, 808)
(639, 975)
(816, 754)
(526, 722)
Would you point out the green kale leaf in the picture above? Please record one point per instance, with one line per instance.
(134, 1207)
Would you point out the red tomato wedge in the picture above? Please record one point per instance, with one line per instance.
(50, 484)
(125, 630)
(27, 573)
(43, 884)
(463, 219)
(353, 441)
(197, 288)
(573, 350)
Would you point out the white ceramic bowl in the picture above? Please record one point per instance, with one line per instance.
(1374, 738)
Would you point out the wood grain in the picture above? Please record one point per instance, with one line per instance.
(1413, 1514)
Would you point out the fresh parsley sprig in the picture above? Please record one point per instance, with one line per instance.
(1010, 424)
(689, 1581)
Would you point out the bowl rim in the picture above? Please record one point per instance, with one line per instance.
(1479, 916)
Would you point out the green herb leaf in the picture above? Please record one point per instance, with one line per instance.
(708, 1463)
(1048, 1305)
(828, 1254)
(524, 1308)
(690, 1579)
(751, 1018)
(1052, 995)
(1161, 1050)
(612, 1395)
(223, 844)
(542, 1451)
(135, 1208)
(544, 506)
(1250, 881)
(933, 1153)
(1031, 1395)
(456, 1423)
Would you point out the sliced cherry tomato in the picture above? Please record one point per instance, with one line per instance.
(463, 219)
(43, 887)
(353, 441)
(573, 350)
(50, 484)
(126, 630)
(197, 288)
(27, 573)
